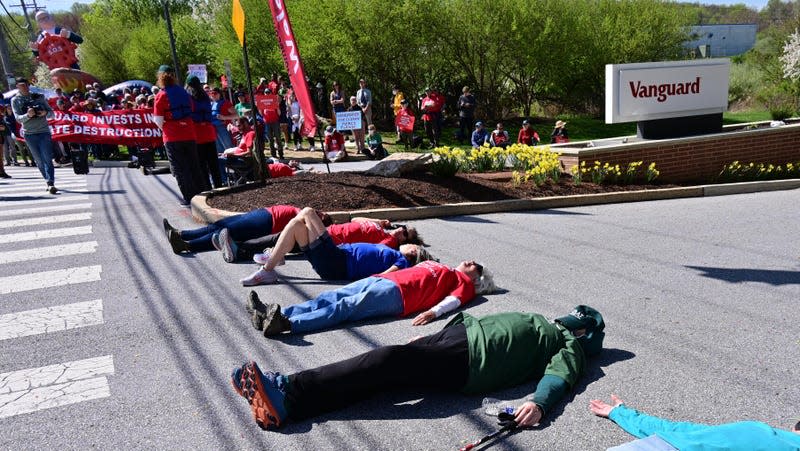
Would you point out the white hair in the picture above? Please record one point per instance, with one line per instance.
(485, 283)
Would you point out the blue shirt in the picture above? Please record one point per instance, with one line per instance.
(686, 436)
(364, 259)
(479, 136)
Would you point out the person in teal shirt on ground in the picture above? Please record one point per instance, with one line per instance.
(686, 436)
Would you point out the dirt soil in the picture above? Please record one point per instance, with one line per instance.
(348, 191)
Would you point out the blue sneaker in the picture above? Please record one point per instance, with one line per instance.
(227, 246)
(264, 392)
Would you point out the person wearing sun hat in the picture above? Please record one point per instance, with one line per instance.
(470, 355)
(559, 134)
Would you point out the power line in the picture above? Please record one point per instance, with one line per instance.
(10, 16)
(11, 37)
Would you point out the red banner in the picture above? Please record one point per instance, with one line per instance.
(122, 127)
(405, 122)
(294, 65)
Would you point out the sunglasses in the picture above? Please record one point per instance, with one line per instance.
(479, 267)
(405, 232)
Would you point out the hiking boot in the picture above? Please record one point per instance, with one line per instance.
(264, 392)
(275, 322)
(227, 246)
(260, 277)
(260, 316)
(263, 259)
(178, 245)
(254, 304)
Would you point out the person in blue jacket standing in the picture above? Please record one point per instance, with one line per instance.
(686, 436)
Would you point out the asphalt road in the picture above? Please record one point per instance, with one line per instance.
(122, 344)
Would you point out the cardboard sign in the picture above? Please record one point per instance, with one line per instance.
(348, 120)
(198, 70)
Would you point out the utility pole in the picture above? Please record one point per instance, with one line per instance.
(31, 33)
(172, 42)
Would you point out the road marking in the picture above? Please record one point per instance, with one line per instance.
(50, 209)
(49, 200)
(16, 181)
(49, 279)
(39, 193)
(51, 319)
(28, 188)
(43, 234)
(45, 220)
(60, 250)
(34, 389)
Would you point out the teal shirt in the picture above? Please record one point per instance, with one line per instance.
(741, 436)
(509, 349)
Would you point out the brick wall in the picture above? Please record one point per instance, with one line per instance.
(696, 159)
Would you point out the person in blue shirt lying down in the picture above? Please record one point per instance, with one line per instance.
(686, 436)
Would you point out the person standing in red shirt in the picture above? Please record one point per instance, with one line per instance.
(431, 106)
(205, 132)
(172, 112)
(429, 287)
(268, 105)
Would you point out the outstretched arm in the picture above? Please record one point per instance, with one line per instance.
(636, 423)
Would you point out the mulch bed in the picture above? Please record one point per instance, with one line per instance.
(347, 191)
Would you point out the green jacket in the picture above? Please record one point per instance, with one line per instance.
(509, 349)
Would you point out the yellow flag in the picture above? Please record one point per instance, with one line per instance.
(237, 19)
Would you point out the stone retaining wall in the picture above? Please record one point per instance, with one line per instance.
(696, 159)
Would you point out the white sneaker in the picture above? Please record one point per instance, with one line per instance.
(263, 259)
(260, 277)
(227, 246)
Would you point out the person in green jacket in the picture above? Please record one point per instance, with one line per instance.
(686, 436)
(470, 355)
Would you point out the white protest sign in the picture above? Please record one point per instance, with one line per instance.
(348, 120)
(198, 70)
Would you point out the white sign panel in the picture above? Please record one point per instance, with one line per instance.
(646, 91)
(198, 70)
(348, 120)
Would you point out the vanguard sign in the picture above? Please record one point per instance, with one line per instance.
(647, 91)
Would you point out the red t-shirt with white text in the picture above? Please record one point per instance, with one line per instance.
(428, 283)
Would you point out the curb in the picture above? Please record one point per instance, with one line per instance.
(203, 213)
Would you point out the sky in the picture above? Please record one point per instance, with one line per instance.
(755, 4)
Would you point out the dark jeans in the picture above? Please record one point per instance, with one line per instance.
(465, 128)
(438, 362)
(185, 168)
(433, 128)
(209, 166)
(246, 249)
(248, 225)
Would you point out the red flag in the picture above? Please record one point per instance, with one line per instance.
(294, 65)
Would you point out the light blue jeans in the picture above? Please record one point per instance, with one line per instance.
(41, 147)
(224, 140)
(366, 298)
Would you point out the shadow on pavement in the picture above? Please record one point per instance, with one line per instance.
(738, 275)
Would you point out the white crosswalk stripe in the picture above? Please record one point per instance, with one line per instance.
(37, 253)
(51, 209)
(43, 234)
(40, 193)
(33, 389)
(51, 319)
(64, 197)
(24, 203)
(13, 191)
(49, 279)
(45, 220)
